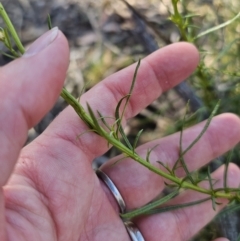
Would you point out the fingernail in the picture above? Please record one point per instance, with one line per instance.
(42, 42)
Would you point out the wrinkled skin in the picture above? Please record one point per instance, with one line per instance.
(50, 191)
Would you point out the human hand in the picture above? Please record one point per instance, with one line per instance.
(50, 191)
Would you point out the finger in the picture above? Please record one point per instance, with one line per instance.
(59, 157)
(158, 72)
(138, 185)
(182, 224)
(29, 87)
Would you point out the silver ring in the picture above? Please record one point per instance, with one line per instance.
(101, 175)
(133, 231)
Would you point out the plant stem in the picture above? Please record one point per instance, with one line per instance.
(112, 137)
(11, 29)
(178, 20)
(133, 155)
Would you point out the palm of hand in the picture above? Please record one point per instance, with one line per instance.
(53, 193)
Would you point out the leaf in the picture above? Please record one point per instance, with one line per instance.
(178, 206)
(119, 124)
(181, 159)
(116, 162)
(149, 152)
(49, 22)
(213, 203)
(193, 26)
(97, 127)
(103, 121)
(8, 55)
(217, 27)
(136, 139)
(226, 169)
(211, 187)
(209, 178)
(11, 29)
(204, 128)
(147, 208)
(83, 89)
(192, 15)
(7, 39)
(117, 115)
(166, 167)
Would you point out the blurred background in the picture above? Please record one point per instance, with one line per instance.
(108, 35)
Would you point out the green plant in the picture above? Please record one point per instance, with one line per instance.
(115, 135)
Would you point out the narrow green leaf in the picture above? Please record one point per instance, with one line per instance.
(213, 203)
(226, 169)
(116, 162)
(97, 127)
(149, 152)
(11, 29)
(8, 55)
(134, 79)
(174, 207)
(147, 208)
(119, 123)
(117, 111)
(193, 26)
(191, 15)
(181, 136)
(117, 115)
(209, 178)
(211, 187)
(136, 140)
(189, 176)
(103, 121)
(181, 158)
(217, 27)
(7, 40)
(204, 128)
(166, 167)
(49, 21)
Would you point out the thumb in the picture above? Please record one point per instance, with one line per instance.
(29, 87)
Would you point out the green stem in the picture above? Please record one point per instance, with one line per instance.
(92, 122)
(11, 29)
(77, 107)
(178, 20)
(133, 155)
